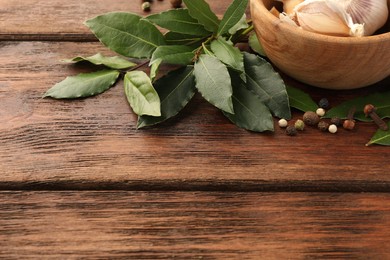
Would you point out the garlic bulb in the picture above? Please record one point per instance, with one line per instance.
(326, 17)
(337, 17)
(372, 13)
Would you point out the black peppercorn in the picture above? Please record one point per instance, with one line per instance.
(176, 3)
(323, 103)
(311, 118)
(291, 130)
(336, 121)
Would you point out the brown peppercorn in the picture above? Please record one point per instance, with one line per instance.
(311, 118)
(291, 130)
(336, 121)
(176, 3)
(349, 124)
(323, 126)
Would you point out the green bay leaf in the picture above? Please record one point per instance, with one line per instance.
(111, 62)
(255, 45)
(228, 54)
(178, 20)
(126, 34)
(232, 15)
(175, 89)
(200, 10)
(83, 85)
(300, 100)
(381, 100)
(381, 137)
(250, 112)
(173, 54)
(173, 38)
(140, 94)
(267, 84)
(241, 24)
(154, 69)
(213, 82)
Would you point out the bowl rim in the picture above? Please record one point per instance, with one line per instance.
(275, 21)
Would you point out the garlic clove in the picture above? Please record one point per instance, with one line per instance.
(326, 17)
(372, 13)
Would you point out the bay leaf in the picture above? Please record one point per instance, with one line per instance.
(300, 100)
(241, 24)
(232, 15)
(178, 20)
(83, 85)
(381, 100)
(115, 62)
(200, 10)
(126, 34)
(228, 54)
(250, 112)
(175, 89)
(255, 45)
(141, 94)
(267, 84)
(213, 82)
(173, 38)
(154, 69)
(381, 137)
(173, 54)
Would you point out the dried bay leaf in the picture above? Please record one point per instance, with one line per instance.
(300, 100)
(250, 112)
(173, 54)
(228, 54)
(126, 34)
(232, 16)
(175, 89)
(111, 62)
(267, 84)
(381, 137)
(141, 94)
(200, 10)
(173, 38)
(213, 82)
(179, 21)
(83, 85)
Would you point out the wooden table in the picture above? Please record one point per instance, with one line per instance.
(78, 180)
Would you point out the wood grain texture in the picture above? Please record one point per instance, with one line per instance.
(193, 225)
(94, 144)
(59, 20)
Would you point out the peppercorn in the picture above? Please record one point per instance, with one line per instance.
(332, 129)
(299, 125)
(336, 121)
(291, 130)
(145, 6)
(311, 118)
(176, 3)
(320, 112)
(323, 126)
(323, 103)
(349, 124)
(283, 123)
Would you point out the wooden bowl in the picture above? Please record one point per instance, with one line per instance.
(320, 60)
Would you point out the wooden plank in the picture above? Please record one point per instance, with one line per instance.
(59, 20)
(93, 143)
(154, 225)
